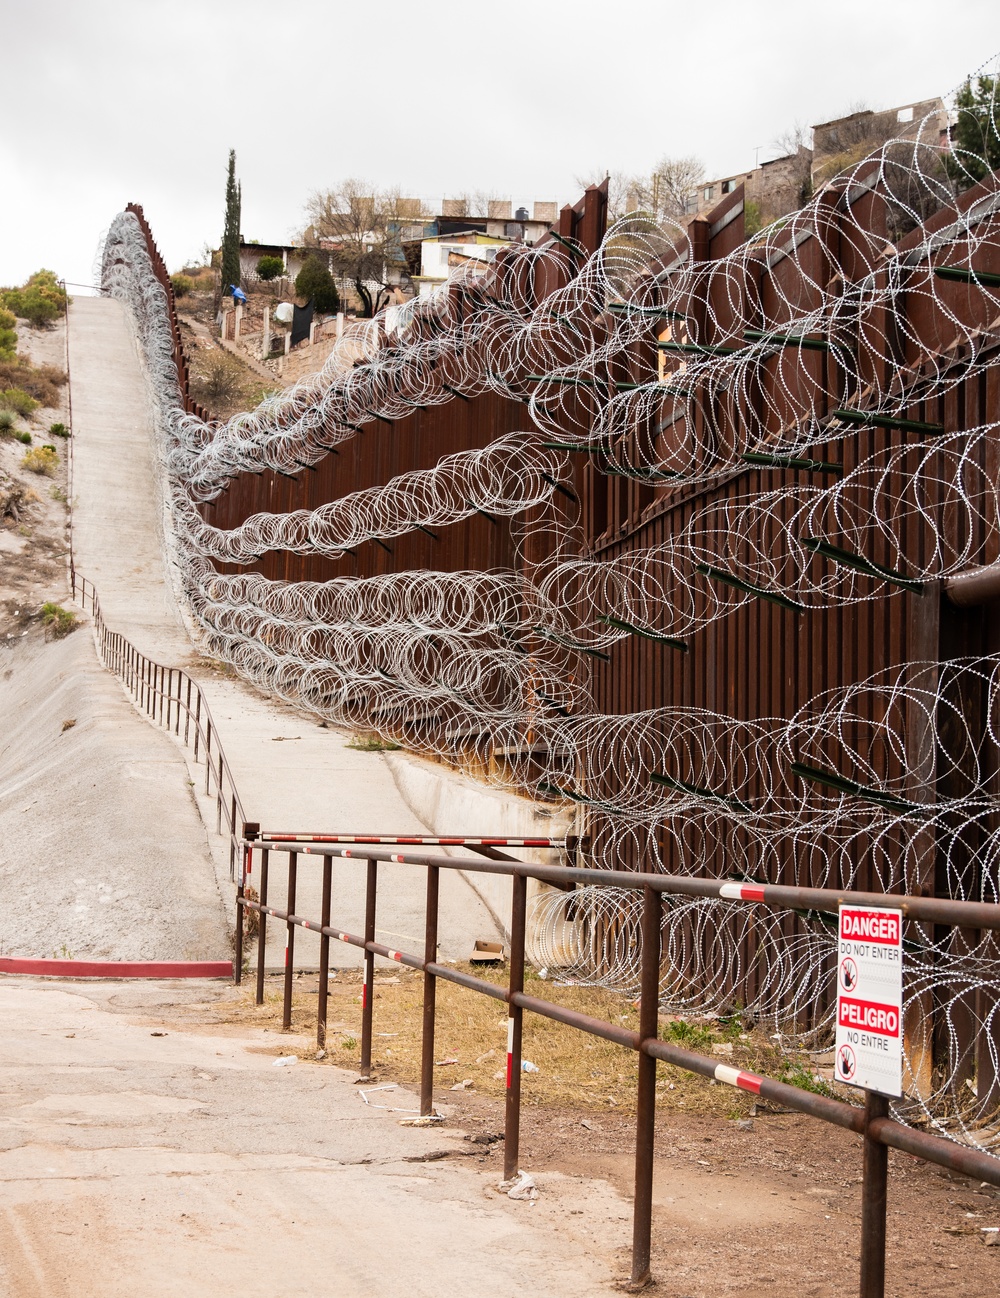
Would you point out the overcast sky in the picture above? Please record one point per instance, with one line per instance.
(107, 101)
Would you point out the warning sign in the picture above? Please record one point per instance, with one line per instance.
(869, 1050)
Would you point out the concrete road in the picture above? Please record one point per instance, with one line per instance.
(135, 1164)
(292, 773)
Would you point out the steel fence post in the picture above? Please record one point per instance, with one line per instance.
(197, 723)
(238, 958)
(286, 1013)
(262, 930)
(875, 1173)
(187, 713)
(430, 993)
(515, 983)
(645, 1121)
(324, 954)
(368, 989)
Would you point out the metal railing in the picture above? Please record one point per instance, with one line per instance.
(879, 1131)
(173, 700)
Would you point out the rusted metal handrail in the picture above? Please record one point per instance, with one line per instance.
(168, 696)
(879, 1132)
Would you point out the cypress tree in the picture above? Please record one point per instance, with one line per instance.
(231, 232)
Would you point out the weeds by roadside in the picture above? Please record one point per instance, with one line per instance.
(367, 741)
(58, 621)
(574, 1070)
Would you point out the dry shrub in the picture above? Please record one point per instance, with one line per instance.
(14, 498)
(39, 381)
(41, 459)
(220, 380)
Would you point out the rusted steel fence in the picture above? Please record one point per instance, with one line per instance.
(878, 1130)
(172, 699)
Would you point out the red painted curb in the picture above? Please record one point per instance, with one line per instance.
(121, 968)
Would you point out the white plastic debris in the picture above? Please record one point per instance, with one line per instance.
(521, 1186)
(285, 1061)
(528, 1067)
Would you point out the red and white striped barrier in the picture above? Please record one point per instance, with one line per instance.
(119, 968)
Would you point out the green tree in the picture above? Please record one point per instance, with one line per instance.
(231, 230)
(361, 228)
(40, 300)
(975, 137)
(269, 268)
(315, 281)
(8, 335)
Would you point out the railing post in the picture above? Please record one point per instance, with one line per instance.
(430, 992)
(169, 693)
(197, 723)
(368, 990)
(232, 833)
(262, 930)
(645, 1121)
(875, 1172)
(293, 866)
(324, 954)
(238, 959)
(218, 796)
(250, 832)
(515, 984)
(187, 713)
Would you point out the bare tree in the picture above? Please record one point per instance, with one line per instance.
(476, 203)
(362, 228)
(623, 190)
(662, 194)
(672, 183)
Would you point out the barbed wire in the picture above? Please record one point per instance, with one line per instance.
(865, 309)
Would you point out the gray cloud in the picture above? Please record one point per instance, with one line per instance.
(111, 101)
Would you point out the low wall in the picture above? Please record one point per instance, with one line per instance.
(448, 803)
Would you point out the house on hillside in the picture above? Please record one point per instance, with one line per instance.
(292, 256)
(439, 254)
(784, 184)
(499, 223)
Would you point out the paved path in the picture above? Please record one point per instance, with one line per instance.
(310, 780)
(185, 1164)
